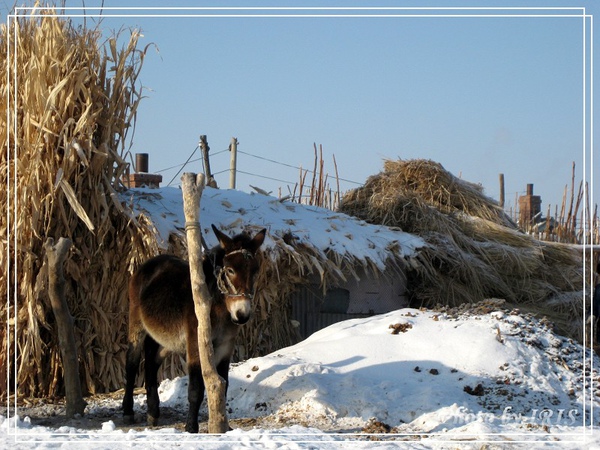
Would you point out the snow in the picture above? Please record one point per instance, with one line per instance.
(415, 371)
(233, 210)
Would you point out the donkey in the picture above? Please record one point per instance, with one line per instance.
(162, 318)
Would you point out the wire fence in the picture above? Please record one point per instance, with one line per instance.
(297, 190)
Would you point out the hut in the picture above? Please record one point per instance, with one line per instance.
(474, 250)
(319, 266)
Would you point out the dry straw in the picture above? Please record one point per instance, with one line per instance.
(476, 251)
(70, 118)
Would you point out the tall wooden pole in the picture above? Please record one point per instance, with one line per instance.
(233, 162)
(192, 187)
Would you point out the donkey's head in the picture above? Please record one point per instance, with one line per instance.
(235, 277)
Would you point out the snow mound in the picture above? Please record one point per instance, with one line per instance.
(419, 371)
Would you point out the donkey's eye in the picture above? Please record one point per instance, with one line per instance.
(230, 271)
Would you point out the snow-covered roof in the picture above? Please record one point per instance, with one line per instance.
(234, 211)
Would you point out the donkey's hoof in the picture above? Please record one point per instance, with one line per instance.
(129, 419)
(192, 427)
(152, 421)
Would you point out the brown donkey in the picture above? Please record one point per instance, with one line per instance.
(162, 318)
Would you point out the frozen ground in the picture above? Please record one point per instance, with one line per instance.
(483, 378)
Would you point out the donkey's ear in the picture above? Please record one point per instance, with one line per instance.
(224, 240)
(258, 240)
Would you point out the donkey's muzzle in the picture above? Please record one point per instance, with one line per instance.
(240, 320)
(240, 308)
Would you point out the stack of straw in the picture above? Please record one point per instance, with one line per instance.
(475, 251)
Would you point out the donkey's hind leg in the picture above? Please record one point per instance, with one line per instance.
(195, 382)
(132, 364)
(153, 359)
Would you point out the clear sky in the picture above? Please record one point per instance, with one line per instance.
(481, 96)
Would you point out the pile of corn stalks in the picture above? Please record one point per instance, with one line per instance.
(72, 105)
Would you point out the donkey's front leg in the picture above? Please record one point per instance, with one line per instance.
(195, 396)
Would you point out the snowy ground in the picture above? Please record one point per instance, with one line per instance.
(410, 378)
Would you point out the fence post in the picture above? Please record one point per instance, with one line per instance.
(501, 190)
(233, 162)
(210, 180)
(56, 255)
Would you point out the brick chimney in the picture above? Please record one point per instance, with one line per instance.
(141, 177)
(529, 206)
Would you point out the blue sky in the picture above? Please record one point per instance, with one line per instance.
(481, 96)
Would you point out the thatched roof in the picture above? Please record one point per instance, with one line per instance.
(330, 243)
(475, 251)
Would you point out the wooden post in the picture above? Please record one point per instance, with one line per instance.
(501, 190)
(570, 214)
(233, 162)
(205, 149)
(56, 255)
(192, 187)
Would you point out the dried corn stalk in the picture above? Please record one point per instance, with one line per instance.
(72, 107)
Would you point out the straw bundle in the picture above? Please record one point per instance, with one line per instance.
(475, 250)
(72, 104)
(423, 188)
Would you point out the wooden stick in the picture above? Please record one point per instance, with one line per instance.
(233, 162)
(501, 179)
(314, 178)
(587, 223)
(192, 187)
(321, 183)
(576, 212)
(56, 255)
(337, 179)
(570, 213)
(205, 149)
